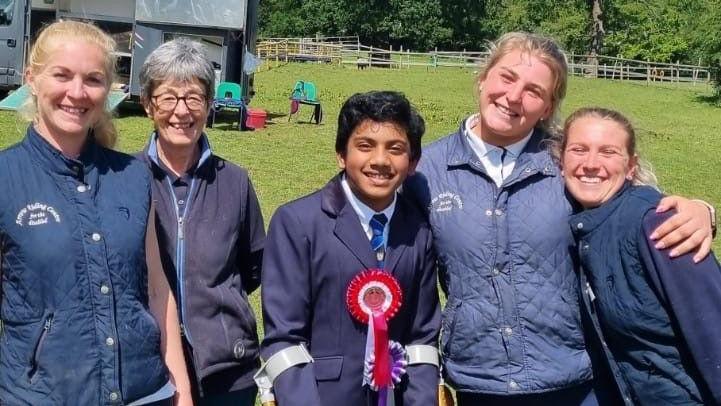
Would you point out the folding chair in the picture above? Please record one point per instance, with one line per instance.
(228, 97)
(305, 93)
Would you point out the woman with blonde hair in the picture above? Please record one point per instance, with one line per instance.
(86, 318)
(511, 329)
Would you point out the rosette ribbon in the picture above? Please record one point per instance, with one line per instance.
(373, 297)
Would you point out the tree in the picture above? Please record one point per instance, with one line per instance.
(597, 31)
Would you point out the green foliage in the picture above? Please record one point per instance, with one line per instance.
(417, 24)
(660, 31)
(640, 30)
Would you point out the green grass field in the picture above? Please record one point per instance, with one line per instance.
(679, 129)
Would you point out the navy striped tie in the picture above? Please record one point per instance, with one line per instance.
(378, 224)
(503, 158)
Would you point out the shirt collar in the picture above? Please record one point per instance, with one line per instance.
(362, 210)
(482, 148)
(203, 142)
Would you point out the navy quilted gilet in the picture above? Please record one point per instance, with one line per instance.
(512, 321)
(77, 329)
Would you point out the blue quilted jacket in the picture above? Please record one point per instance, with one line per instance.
(76, 326)
(512, 321)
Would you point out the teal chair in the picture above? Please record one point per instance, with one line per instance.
(305, 93)
(228, 96)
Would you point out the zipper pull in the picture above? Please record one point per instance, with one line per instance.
(48, 323)
(181, 232)
(590, 293)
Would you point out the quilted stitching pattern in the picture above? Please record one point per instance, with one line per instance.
(512, 322)
(53, 274)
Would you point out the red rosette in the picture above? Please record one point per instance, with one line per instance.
(373, 290)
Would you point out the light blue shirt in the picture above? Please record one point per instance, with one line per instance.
(490, 155)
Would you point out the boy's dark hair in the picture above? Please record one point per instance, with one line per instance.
(382, 107)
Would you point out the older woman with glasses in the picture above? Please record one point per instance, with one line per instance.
(209, 225)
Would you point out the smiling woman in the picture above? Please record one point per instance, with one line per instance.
(70, 82)
(511, 332)
(79, 292)
(659, 340)
(209, 223)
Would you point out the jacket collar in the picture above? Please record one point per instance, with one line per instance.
(534, 158)
(50, 158)
(350, 232)
(586, 221)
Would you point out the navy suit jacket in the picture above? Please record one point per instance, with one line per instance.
(315, 246)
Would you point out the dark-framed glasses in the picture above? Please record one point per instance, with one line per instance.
(167, 102)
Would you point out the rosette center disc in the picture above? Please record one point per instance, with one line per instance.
(374, 297)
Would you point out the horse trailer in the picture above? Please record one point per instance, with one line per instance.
(227, 28)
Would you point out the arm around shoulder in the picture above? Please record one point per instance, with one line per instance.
(691, 228)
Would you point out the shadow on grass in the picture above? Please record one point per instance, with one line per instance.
(708, 99)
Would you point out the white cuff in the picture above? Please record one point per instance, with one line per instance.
(422, 354)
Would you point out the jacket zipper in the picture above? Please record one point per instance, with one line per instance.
(180, 253)
(36, 353)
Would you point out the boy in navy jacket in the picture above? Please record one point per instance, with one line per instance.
(319, 243)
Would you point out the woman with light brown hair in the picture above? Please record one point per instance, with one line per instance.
(87, 318)
(511, 331)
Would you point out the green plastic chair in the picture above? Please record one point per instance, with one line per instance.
(305, 93)
(228, 96)
(228, 90)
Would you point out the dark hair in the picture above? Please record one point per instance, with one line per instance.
(382, 107)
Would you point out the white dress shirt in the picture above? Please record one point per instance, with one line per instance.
(365, 213)
(490, 155)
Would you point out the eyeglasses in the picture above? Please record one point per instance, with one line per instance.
(168, 102)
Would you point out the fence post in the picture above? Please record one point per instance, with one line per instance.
(595, 71)
(648, 72)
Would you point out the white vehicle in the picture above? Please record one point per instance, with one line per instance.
(228, 29)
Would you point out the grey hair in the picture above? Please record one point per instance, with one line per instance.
(181, 60)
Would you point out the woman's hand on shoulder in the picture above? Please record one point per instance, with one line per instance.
(689, 229)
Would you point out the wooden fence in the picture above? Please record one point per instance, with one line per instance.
(349, 51)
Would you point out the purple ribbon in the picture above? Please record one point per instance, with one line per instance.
(398, 369)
